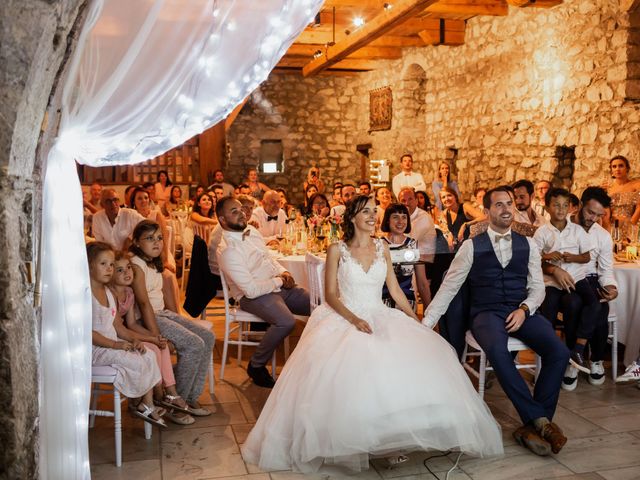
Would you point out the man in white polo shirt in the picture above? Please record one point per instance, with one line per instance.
(112, 224)
(407, 177)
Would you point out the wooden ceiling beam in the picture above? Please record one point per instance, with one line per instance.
(397, 41)
(416, 25)
(318, 37)
(378, 26)
(348, 64)
(365, 52)
(470, 7)
(534, 3)
(450, 32)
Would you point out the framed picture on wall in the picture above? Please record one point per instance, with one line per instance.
(380, 109)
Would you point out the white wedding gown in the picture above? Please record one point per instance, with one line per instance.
(344, 394)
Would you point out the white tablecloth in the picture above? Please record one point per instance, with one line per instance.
(627, 308)
(296, 266)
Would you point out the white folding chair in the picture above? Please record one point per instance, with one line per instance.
(513, 345)
(171, 240)
(613, 335)
(315, 274)
(105, 375)
(236, 315)
(203, 231)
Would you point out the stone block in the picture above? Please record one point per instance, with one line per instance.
(632, 90)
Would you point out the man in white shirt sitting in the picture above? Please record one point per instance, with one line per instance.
(262, 286)
(523, 192)
(595, 201)
(565, 249)
(272, 220)
(112, 224)
(422, 228)
(504, 275)
(407, 177)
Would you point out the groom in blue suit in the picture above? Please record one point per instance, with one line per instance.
(504, 274)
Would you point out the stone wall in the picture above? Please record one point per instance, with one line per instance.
(314, 118)
(520, 87)
(34, 38)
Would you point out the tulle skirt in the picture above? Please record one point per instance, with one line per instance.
(344, 395)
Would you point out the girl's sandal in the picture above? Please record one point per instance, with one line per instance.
(395, 460)
(168, 402)
(147, 413)
(180, 418)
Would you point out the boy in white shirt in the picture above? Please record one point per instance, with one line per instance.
(565, 249)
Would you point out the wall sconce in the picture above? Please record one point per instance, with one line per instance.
(387, 6)
(317, 54)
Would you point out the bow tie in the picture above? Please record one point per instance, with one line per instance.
(270, 218)
(245, 234)
(506, 236)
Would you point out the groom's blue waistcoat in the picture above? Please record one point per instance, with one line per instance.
(495, 288)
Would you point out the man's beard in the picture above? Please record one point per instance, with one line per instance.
(237, 227)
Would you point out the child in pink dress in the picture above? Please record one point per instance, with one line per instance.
(167, 396)
(115, 345)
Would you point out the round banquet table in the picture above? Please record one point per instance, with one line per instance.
(627, 308)
(296, 266)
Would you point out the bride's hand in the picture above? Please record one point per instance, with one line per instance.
(362, 325)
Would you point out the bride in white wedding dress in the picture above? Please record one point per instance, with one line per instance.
(366, 379)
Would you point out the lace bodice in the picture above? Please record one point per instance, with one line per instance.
(360, 290)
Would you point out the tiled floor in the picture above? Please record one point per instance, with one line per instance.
(602, 423)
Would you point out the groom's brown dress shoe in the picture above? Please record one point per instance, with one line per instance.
(528, 437)
(552, 433)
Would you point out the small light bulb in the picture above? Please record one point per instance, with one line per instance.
(358, 22)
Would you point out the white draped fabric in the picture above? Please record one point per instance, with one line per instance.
(146, 76)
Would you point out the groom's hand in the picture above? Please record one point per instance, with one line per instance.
(515, 320)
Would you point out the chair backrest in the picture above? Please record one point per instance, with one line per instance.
(202, 231)
(225, 293)
(315, 273)
(171, 239)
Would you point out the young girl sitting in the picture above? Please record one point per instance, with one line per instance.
(115, 345)
(395, 222)
(167, 397)
(193, 343)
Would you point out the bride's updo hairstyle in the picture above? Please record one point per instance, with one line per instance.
(354, 207)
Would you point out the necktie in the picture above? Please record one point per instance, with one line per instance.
(270, 218)
(506, 236)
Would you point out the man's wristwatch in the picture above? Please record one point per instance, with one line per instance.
(525, 309)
